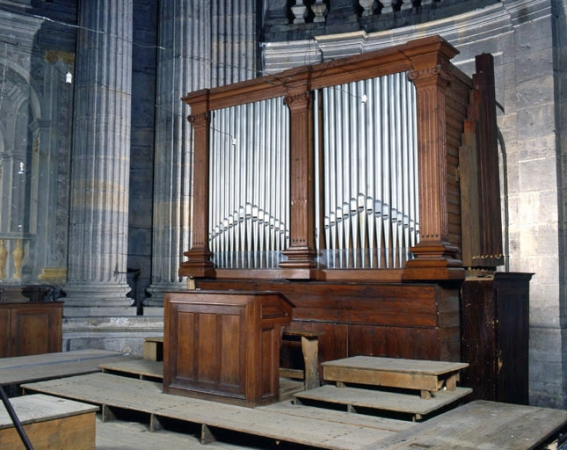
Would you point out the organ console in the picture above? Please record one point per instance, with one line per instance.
(361, 189)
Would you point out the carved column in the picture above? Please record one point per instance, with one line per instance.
(435, 253)
(199, 263)
(301, 251)
(101, 161)
(183, 66)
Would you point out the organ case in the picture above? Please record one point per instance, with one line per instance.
(339, 185)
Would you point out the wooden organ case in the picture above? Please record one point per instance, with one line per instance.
(339, 186)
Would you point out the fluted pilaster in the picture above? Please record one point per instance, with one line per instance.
(183, 66)
(101, 160)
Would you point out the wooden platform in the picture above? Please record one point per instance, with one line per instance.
(476, 425)
(113, 392)
(428, 376)
(50, 423)
(481, 425)
(408, 404)
(26, 369)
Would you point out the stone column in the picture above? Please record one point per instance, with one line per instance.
(98, 239)
(183, 66)
(191, 36)
(234, 41)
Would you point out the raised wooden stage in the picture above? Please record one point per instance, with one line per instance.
(478, 424)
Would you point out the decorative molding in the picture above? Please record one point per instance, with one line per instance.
(437, 71)
(200, 120)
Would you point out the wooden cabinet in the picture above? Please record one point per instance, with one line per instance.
(495, 334)
(224, 346)
(30, 328)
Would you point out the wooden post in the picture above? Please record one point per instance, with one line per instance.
(199, 263)
(301, 251)
(436, 255)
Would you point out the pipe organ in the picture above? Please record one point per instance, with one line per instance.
(351, 187)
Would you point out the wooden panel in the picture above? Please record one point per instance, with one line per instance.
(6, 340)
(495, 336)
(412, 343)
(231, 372)
(206, 350)
(185, 356)
(271, 349)
(404, 320)
(379, 304)
(32, 328)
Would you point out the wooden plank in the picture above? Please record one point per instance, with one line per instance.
(416, 366)
(381, 400)
(391, 372)
(135, 366)
(330, 415)
(52, 358)
(145, 396)
(481, 424)
(297, 374)
(37, 372)
(39, 408)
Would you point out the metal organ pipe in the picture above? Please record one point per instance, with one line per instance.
(249, 187)
(369, 169)
(366, 177)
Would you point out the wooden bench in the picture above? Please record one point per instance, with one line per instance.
(49, 422)
(423, 376)
(310, 350)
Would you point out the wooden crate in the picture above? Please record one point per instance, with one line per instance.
(50, 423)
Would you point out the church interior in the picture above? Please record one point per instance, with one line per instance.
(290, 224)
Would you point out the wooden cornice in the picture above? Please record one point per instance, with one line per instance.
(415, 55)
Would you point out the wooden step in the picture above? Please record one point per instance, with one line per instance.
(407, 404)
(141, 368)
(49, 422)
(428, 376)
